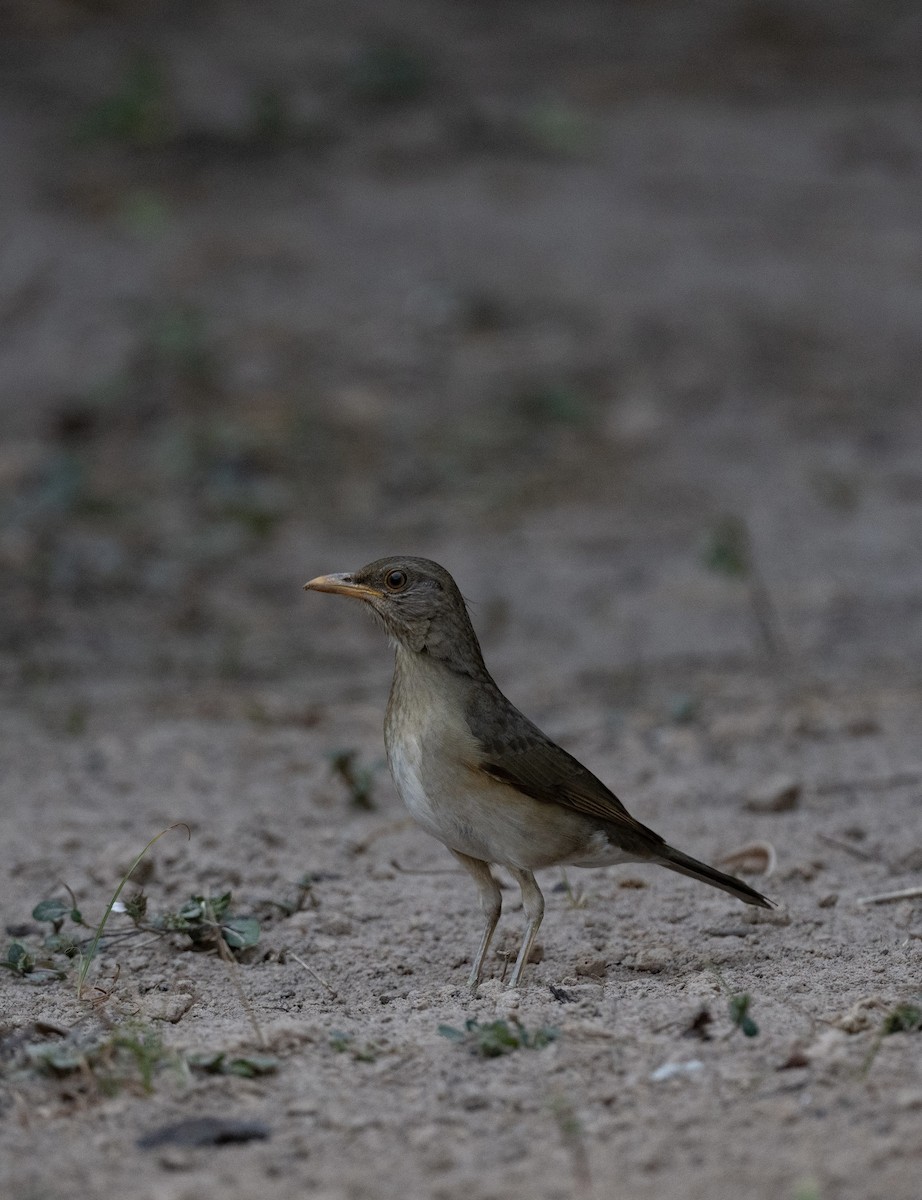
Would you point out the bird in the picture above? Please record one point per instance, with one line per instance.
(475, 772)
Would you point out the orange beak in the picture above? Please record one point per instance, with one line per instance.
(343, 585)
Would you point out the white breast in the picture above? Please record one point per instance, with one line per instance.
(404, 758)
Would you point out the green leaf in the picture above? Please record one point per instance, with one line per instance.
(495, 1038)
(449, 1031)
(540, 1038)
(18, 959)
(60, 1057)
(240, 932)
(217, 906)
(192, 910)
(54, 911)
(247, 1067)
(251, 1066)
(210, 1062)
(739, 1014)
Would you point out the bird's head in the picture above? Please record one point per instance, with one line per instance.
(419, 605)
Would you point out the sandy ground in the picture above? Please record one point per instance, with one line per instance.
(566, 303)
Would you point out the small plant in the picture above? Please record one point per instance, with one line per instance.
(739, 1006)
(56, 912)
(303, 895)
(142, 1045)
(131, 1053)
(138, 114)
(344, 1043)
(358, 779)
(576, 896)
(727, 550)
(905, 1018)
(205, 920)
(37, 970)
(43, 968)
(573, 1136)
(244, 1066)
(87, 958)
(495, 1038)
(902, 1018)
(202, 918)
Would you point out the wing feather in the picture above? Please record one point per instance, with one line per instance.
(514, 751)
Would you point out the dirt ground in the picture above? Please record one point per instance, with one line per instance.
(613, 310)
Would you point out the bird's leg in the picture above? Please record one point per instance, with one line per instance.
(491, 904)
(533, 903)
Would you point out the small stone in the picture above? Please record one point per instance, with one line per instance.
(780, 793)
(806, 871)
(390, 997)
(304, 1106)
(591, 968)
(830, 900)
(174, 1159)
(171, 1007)
(335, 926)
(860, 1016)
(672, 1070)
(653, 959)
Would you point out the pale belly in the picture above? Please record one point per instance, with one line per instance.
(477, 816)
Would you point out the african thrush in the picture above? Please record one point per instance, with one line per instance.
(475, 772)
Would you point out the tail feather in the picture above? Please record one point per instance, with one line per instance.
(675, 860)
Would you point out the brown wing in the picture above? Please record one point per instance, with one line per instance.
(516, 752)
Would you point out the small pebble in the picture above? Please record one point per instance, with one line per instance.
(591, 968)
(653, 959)
(780, 793)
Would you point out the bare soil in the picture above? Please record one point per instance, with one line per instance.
(614, 311)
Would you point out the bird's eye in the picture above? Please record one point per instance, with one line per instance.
(396, 580)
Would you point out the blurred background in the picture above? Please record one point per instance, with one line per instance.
(613, 308)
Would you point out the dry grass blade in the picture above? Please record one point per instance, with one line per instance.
(574, 1140)
(855, 851)
(316, 975)
(87, 958)
(910, 893)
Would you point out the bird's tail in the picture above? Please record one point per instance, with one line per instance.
(686, 865)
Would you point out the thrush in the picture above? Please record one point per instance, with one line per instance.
(479, 775)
